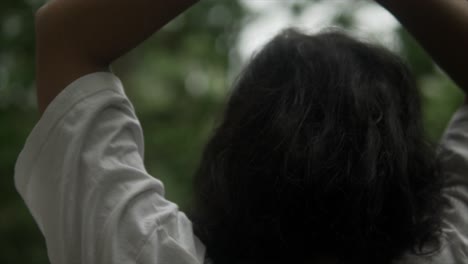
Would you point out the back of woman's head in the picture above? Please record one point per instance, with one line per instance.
(320, 153)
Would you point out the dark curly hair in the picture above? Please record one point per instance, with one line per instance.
(320, 153)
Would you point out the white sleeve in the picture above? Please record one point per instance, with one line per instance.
(453, 154)
(454, 158)
(81, 174)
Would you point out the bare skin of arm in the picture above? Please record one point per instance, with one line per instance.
(77, 37)
(441, 27)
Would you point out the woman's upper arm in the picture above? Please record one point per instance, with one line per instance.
(76, 37)
(59, 58)
(441, 27)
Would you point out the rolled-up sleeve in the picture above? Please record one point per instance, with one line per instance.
(453, 155)
(81, 174)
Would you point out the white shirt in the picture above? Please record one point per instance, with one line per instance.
(82, 176)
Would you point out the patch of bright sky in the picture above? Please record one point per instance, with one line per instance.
(269, 17)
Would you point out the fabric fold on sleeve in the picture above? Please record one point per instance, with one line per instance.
(453, 155)
(81, 174)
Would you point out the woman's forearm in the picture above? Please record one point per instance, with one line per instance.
(441, 27)
(105, 29)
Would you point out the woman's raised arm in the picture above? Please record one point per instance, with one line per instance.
(441, 27)
(76, 37)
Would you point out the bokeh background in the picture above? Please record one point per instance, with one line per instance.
(179, 81)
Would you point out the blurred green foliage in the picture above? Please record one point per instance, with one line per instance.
(178, 81)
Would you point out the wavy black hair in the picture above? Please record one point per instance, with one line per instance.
(320, 153)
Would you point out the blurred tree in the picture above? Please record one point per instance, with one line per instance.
(20, 240)
(440, 95)
(178, 81)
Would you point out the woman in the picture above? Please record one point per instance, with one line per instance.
(319, 158)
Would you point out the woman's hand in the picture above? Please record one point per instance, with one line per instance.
(441, 27)
(77, 37)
